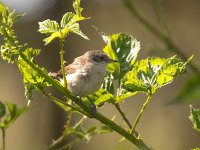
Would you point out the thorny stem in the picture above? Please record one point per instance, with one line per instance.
(62, 61)
(165, 39)
(66, 135)
(140, 114)
(50, 96)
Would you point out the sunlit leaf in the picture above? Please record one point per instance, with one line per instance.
(74, 28)
(32, 81)
(77, 7)
(152, 73)
(48, 27)
(68, 24)
(101, 96)
(121, 47)
(195, 118)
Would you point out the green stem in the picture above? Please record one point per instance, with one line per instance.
(4, 139)
(138, 142)
(140, 114)
(117, 105)
(62, 61)
(165, 39)
(65, 136)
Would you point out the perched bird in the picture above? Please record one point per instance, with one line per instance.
(85, 75)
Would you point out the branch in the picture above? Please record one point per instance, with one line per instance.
(162, 37)
(140, 114)
(138, 142)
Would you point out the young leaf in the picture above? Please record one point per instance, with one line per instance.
(2, 109)
(195, 118)
(121, 47)
(48, 27)
(68, 23)
(51, 28)
(77, 7)
(152, 73)
(74, 28)
(13, 113)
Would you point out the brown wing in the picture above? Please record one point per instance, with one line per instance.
(77, 64)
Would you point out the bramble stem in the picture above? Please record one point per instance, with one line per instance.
(137, 142)
(117, 105)
(62, 61)
(119, 108)
(163, 37)
(140, 114)
(123, 115)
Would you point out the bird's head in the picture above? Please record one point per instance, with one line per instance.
(98, 56)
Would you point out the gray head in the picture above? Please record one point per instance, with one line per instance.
(99, 56)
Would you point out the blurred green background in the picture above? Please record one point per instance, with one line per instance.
(164, 126)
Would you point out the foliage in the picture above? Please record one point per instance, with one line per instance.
(9, 113)
(146, 75)
(68, 23)
(195, 118)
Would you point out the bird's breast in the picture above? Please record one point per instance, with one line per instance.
(86, 80)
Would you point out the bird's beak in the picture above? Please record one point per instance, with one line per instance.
(112, 60)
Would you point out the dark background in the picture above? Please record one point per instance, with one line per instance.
(162, 126)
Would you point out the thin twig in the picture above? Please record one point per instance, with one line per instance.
(123, 115)
(160, 15)
(3, 138)
(66, 135)
(121, 112)
(62, 61)
(165, 39)
(140, 114)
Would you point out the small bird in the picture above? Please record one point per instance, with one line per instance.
(85, 75)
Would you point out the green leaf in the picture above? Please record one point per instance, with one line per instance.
(152, 73)
(74, 28)
(13, 113)
(195, 149)
(48, 26)
(121, 47)
(2, 109)
(77, 7)
(195, 118)
(108, 84)
(191, 90)
(100, 97)
(68, 19)
(32, 81)
(68, 23)
(95, 130)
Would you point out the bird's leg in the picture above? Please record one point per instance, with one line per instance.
(79, 99)
(93, 106)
